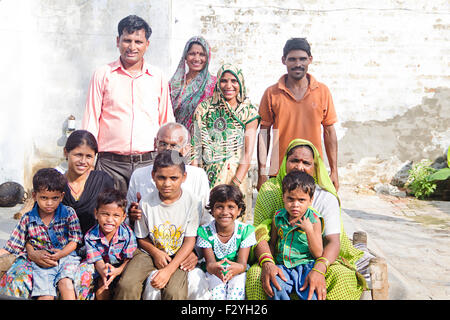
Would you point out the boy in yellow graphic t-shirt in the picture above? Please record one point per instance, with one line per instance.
(166, 235)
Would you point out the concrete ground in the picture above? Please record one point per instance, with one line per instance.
(413, 236)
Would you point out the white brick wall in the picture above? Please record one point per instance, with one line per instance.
(385, 62)
(380, 60)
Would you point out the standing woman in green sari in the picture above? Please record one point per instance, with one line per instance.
(334, 276)
(191, 83)
(225, 133)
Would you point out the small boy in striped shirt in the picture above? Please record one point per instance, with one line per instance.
(53, 229)
(110, 244)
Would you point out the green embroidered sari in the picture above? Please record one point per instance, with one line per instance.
(219, 131)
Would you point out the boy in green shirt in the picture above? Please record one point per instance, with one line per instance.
(296, 238)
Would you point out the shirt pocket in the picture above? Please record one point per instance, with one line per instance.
(61, 232)
(146, 96)
(118, 95)
(116, 256)
(40, 239)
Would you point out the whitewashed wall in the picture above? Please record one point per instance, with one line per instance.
(386, 63)
(50, 51)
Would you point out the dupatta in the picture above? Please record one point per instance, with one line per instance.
(186, 98)
(270, 196)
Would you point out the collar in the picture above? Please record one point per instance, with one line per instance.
(97, 234)
(60, 213)
(118, 65)
(313, 84)
(236, 225)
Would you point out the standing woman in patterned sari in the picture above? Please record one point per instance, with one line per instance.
(188, 89)
(225, 133)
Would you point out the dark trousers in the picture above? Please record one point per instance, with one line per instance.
(120, 170)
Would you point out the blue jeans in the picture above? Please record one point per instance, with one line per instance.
(295, 279)
(45, 280)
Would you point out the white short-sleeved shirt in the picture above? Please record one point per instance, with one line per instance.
(167, 224)
(328, 206)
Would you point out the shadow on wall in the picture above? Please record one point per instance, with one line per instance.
(408, 136)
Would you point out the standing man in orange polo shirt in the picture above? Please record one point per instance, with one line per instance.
(128, 101)
(298, 106)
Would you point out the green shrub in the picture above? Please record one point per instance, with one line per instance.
(418, 180)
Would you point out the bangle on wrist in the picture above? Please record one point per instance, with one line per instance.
(326, 267)
(324, 261)
(266, 260)
(236, 179)
(318, 271)
(265, 256)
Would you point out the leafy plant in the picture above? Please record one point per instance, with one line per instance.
(418, 180)
(441, 174)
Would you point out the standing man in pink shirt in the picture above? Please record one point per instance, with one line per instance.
(128, 101)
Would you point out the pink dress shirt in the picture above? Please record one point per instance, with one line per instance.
(124, 112)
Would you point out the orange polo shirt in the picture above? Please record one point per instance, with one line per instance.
(124, 112)
(291, 119)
